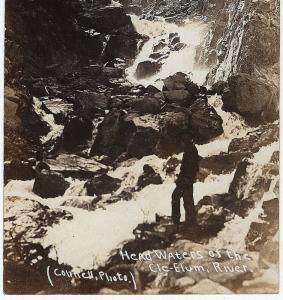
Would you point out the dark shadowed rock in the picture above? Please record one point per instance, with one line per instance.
(259, 232)
(134, 135)
(110, 139)
(102, 184)
(178, 47)
(240, 175)
(105, 19)
(263, 136)
(204, 122)
(223, 162)
(173, 126)
(152, 90)
(254, 98)
(142, 135)
(176, 82)
(89, 104)
(180, 97)
(159, 46)
(171, 165)
(76, 132)
(148, 177)
(218, 88)
(227, 200)
(18, 170)
(122, 45)
(147, 69)
(49, 184)
(146, 105)
(212, 217)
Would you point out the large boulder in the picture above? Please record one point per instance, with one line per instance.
(76, 132)
(123, 45)
(49, 184)
(180, 97)
(110, 139)
(18, 170)
(173, 126)
(146, 105)
(102, 184)
(204, 122)
(255, 99)
(148, 177)
(90, 104)
(147, 68)
(105, 19)
(176, 82)
(131, 134)
(180, 81)
(142, 135)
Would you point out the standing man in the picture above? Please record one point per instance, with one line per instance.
(185, 182)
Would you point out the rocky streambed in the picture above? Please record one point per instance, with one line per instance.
(101, 148)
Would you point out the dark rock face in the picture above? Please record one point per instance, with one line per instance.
(236, 44)
(263, 136)
(76, 132)
(224, 162)
(109, 140)
(204, 122)
(180, 97)
(123, 45)
(146, 105)
(251, 97)
(213, 218)
(147, 69)
(102, 184)
(105, 19)
(91, 104)
(218, 88)
(177, 81)
(18, 170)
(49, 184)
(173, 126)
(131, 134)
(148, 177)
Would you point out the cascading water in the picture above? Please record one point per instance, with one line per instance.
(233, 125)
(89, 238)
(191, 34)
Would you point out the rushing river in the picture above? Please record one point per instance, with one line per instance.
(88, 240)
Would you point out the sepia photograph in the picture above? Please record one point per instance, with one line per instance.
(141, 147)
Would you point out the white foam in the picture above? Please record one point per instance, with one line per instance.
(192, 34)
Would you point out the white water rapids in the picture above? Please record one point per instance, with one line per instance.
(191, 34)
(88, 240)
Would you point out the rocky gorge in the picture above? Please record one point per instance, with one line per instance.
(99, 95)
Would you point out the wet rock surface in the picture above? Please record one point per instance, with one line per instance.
(49, 184)
(68, 95)
(102, 184)
(251, 97)
(18, 170)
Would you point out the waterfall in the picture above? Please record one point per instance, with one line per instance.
(88, 240)
(191, 34)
